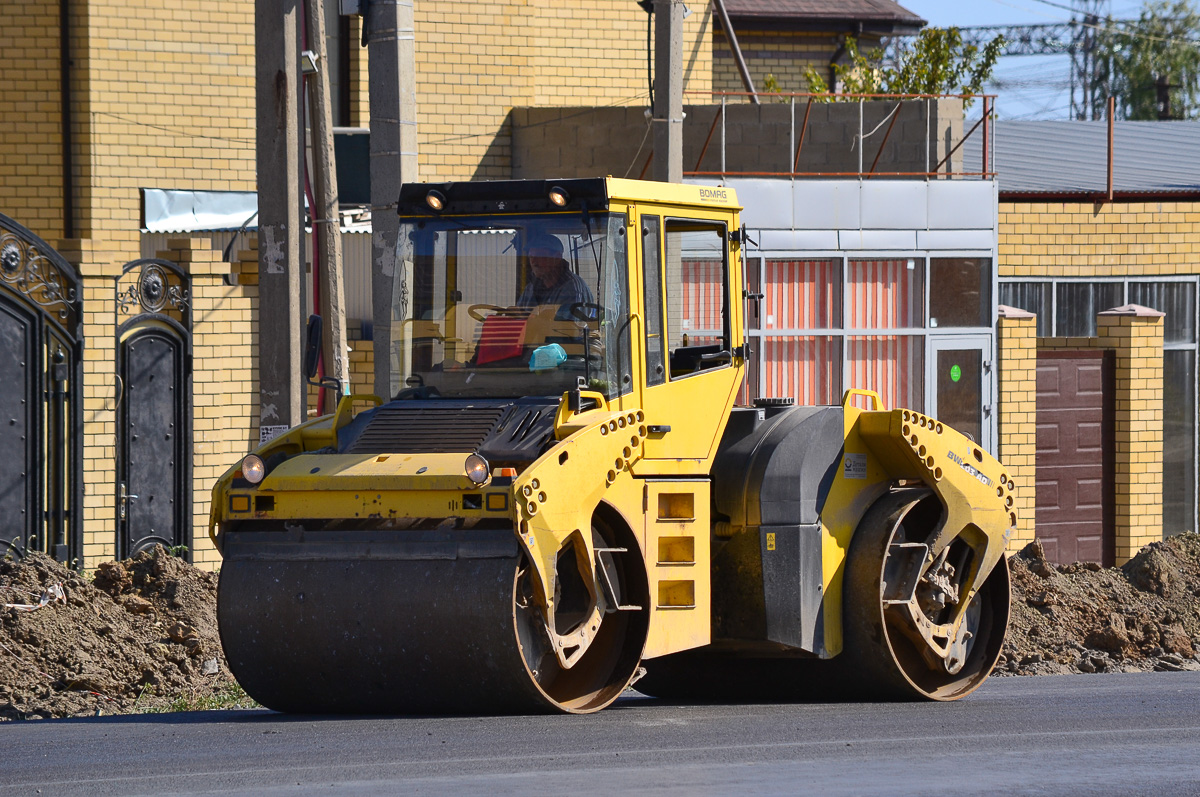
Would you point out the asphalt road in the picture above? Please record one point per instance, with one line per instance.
(1097, 734)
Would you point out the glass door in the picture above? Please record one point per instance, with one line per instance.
(960, 384)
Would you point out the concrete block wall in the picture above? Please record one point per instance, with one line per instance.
(552, 142)
(1017, 375)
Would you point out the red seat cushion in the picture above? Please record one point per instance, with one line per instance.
(502, 337)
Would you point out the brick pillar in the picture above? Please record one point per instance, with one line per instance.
(1017, 356)
(362, 367)
(1135, 333)
(225, 394)
(99, 268)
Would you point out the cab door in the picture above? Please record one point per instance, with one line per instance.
(692, 337)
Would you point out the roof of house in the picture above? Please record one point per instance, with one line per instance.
(837, 14)
(1069, 157)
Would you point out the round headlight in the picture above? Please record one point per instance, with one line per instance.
(477, 469)
(435, 199)
(559, 196)
(253, 468)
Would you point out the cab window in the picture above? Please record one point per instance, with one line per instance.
(696, 287)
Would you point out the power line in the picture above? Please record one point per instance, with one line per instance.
(1077, 38)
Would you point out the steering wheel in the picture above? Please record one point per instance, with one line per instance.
(476, 311)
(579, 312)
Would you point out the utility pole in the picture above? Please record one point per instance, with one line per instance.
(393, 87)
(667, 118)
(326, 223)
(277, 83)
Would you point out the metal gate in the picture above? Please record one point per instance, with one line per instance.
(41, 469)
(154, 356)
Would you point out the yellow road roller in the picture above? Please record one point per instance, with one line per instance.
(561, 497)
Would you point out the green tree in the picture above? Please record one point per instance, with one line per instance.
(934, 62)
(1164, 44)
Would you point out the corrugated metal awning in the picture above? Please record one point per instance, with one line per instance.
(1069, 157)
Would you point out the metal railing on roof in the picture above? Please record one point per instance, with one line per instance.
(868, 164)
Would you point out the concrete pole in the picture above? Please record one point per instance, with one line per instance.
(326, 224)
(668, 91)
(277, 59)
(393, 88)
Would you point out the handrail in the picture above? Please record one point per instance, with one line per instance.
(799, 134)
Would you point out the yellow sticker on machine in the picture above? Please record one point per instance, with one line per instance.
(770, 540)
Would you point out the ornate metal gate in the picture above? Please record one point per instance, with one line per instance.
(41, 467)
(154, 357)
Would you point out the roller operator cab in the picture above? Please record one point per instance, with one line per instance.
(560, 497)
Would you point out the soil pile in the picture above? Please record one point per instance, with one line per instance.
(142, 635)
(1144, 615)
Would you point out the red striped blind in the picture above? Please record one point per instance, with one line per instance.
(803, 294)
(703, 292)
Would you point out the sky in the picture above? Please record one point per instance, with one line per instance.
(1029, 86)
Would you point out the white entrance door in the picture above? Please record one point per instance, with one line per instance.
(961, 383)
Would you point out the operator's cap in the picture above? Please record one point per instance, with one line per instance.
(550, 243)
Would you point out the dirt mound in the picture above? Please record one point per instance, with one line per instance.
(1142, 616)
(141, 636)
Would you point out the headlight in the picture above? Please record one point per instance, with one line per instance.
(477, 469)
(559, 196)
(253, 468)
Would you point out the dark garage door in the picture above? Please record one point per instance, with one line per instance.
(1074, 456)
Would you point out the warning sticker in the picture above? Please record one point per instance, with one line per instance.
(267, 433)
(854, 466)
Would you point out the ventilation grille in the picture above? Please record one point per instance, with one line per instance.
(435, 430)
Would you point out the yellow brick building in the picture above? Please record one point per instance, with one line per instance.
(784, 40)
(163, 97)
(1075, 243)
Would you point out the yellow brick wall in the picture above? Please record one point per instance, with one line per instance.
(362, 367)
(30, 118)
(785, 55)
(101, 394)
(1119, 239)
(1017, 345)
(1138, 343)
(170, 104)
(164, 98)
(553, 54)
(1059, 239)
(224, 375)
(165, 94)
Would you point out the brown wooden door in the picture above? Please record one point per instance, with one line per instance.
(1074, 456)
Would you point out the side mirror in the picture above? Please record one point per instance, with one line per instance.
(312, 350)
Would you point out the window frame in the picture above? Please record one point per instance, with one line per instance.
(1194, 346)
(722, 227)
